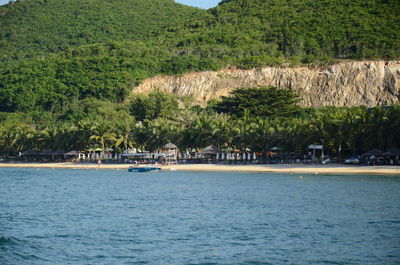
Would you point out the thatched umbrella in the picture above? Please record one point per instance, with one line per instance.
(72, 153)
(170, 146)
(210, 150)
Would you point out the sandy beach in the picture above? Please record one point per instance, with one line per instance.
(292, 168)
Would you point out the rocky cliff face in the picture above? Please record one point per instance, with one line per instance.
(370, 83)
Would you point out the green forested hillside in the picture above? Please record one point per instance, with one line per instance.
(37, 27)
(257, 32)
(56, 52)
(103, 71)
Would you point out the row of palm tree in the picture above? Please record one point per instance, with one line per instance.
(342, 131)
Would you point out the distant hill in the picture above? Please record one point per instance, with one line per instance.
(57, 51)
(258, 32)
(37, 27)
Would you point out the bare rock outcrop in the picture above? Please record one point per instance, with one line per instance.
(370, 83)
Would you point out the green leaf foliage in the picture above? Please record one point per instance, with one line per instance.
(253, 33)
(260, 102)
(54, 52)
(154, 105)
(39, 27)
(99, 124)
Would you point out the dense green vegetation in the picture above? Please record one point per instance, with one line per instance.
(56, 52)
(102, 71)
(98, 124)
(259, 31)
(67, 69)
(260, 102)
(38, 27)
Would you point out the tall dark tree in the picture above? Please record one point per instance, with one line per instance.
(260, 102)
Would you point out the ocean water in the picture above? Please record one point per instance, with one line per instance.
(57, 216)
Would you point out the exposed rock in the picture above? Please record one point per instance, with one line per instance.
(370, 83)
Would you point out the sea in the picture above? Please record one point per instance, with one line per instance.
(65, 216)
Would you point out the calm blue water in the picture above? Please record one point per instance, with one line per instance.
(53, 216)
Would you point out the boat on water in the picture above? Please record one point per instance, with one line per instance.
(143, 169)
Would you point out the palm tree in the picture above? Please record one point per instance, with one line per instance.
(353, 128)
(221, 130)
(8, 138)
(15, 137)
(158, 132)
(296, 135)
(124, 131)
(200, 130)
(244, 128)
(26, 136)
(264, 134)
(83, 133)
(393, 128)
(326, 129)
(101, 132)
(209, 129)
(47, 137)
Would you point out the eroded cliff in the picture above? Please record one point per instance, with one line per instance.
(370, 83)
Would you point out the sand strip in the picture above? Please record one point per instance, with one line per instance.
(335, 169)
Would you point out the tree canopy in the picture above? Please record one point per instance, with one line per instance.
(260, 102)
(93, 124)
(54, 51)
(42, 27)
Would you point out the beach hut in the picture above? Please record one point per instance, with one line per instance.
(72, 155)
(29, 154)
(171, 152)
(210, 151)
(313, 147)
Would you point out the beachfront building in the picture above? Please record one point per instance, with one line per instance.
(210, 152)
(171, 153)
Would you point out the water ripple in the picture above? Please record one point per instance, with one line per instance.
(111, 217)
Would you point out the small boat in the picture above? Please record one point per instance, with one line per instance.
(143, 169)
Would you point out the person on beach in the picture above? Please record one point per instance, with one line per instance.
(99, 163)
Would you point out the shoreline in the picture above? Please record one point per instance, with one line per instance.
(332, 169)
